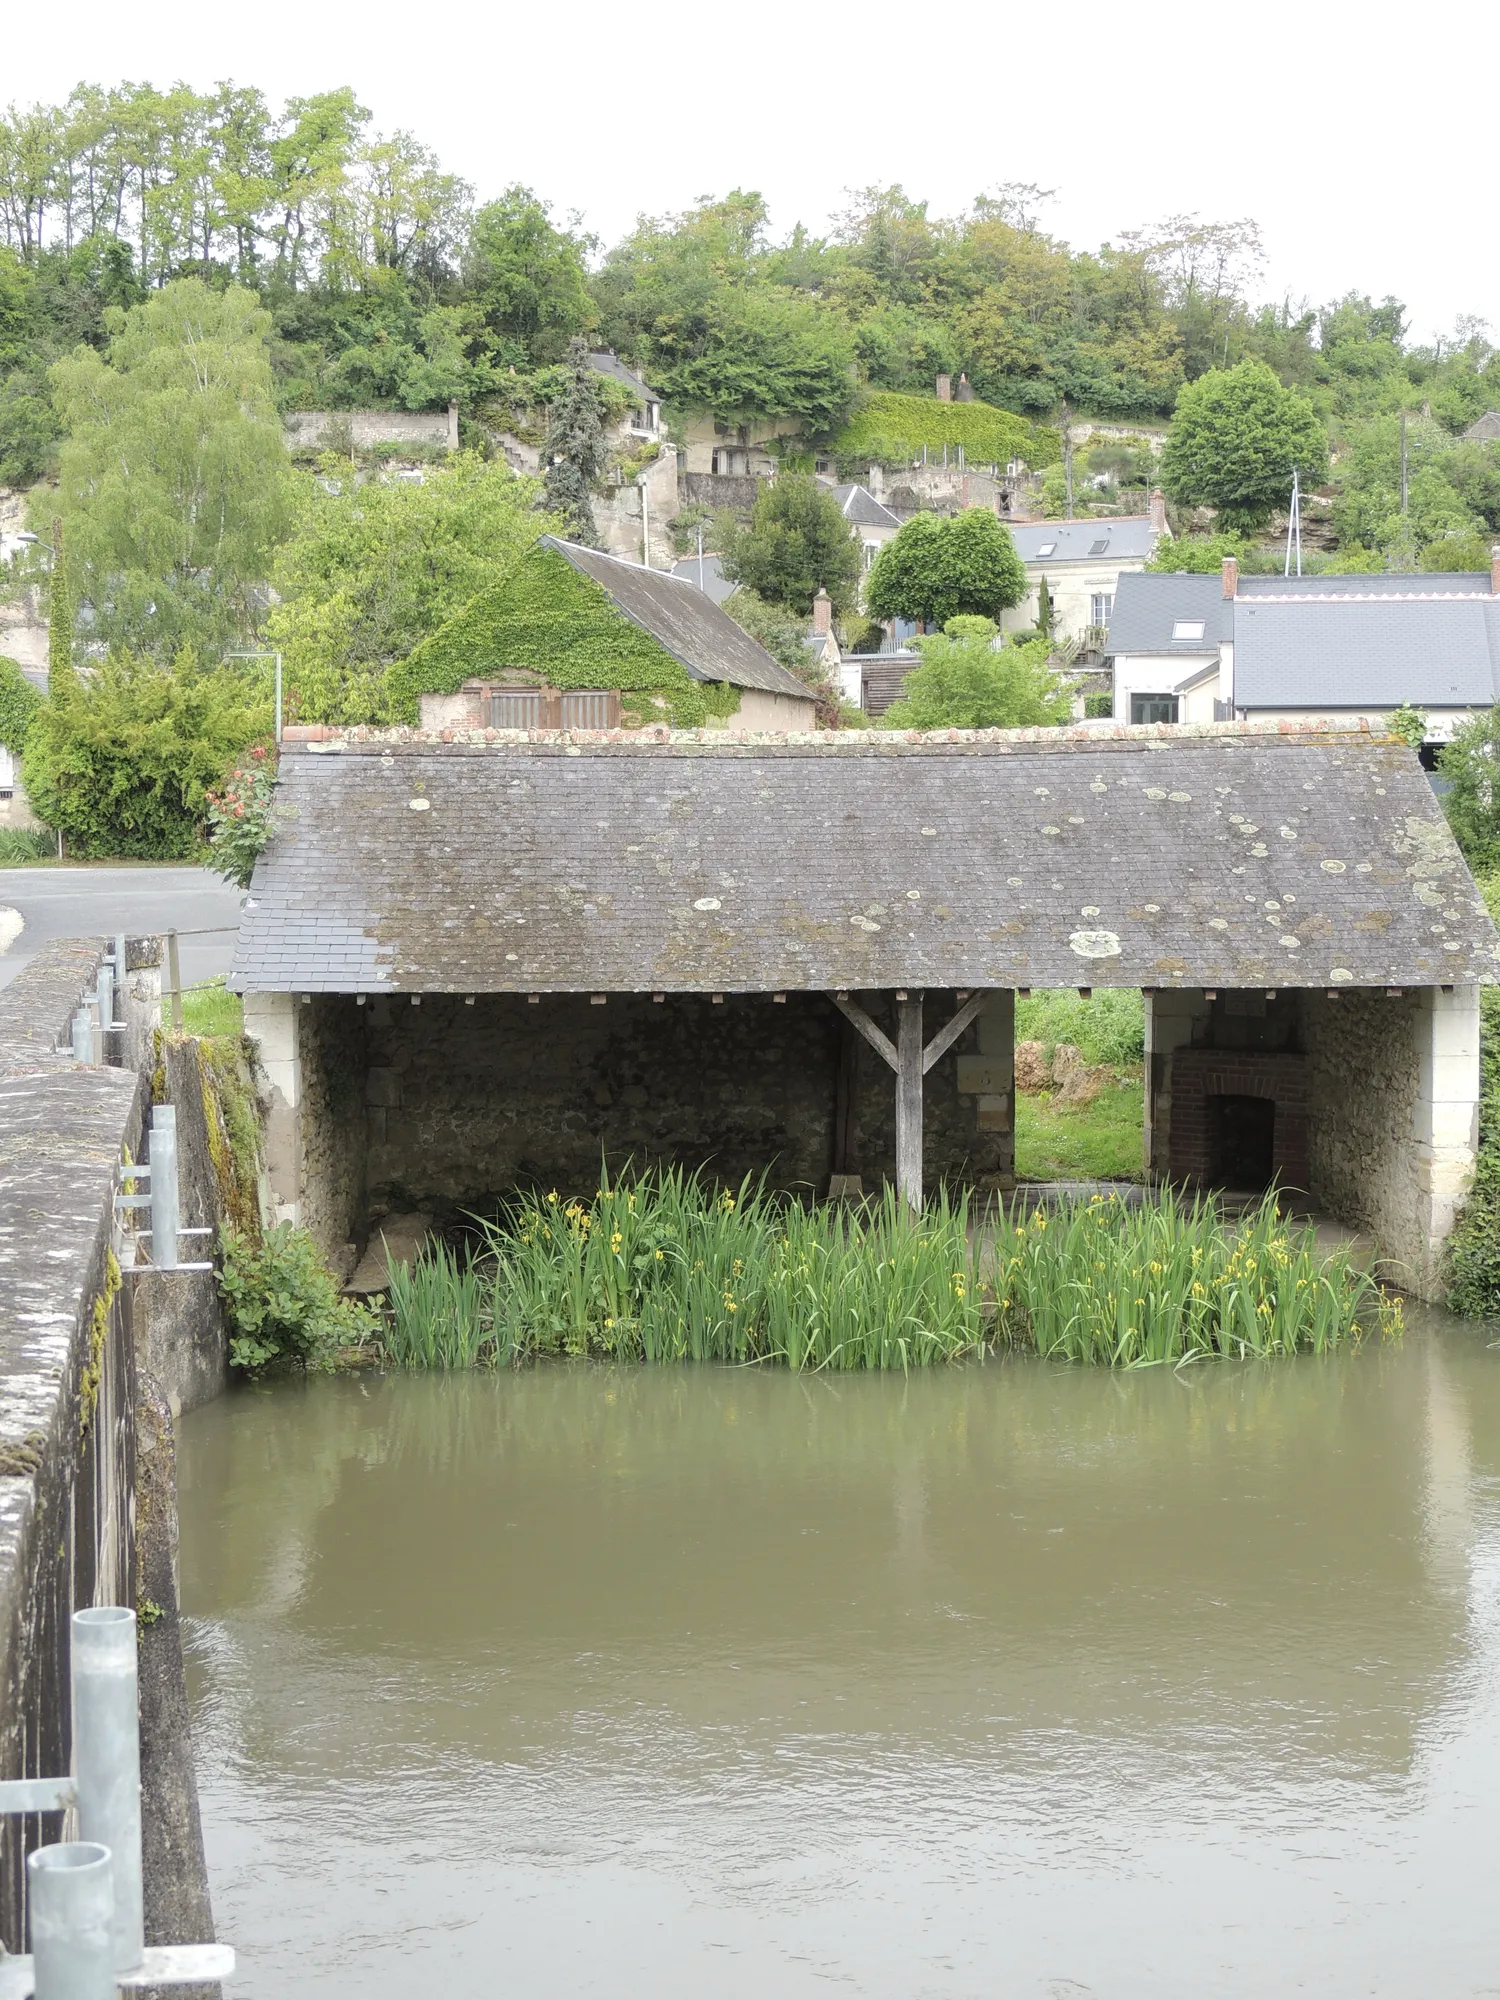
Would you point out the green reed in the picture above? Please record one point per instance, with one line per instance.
(664, 1267)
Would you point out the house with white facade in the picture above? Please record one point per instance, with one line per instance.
(1082, 562)
(1226, 647)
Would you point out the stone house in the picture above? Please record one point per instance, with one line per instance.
(642, 421)
(1275, 648)
(473, 964)
(1082, 562)
(530, 660)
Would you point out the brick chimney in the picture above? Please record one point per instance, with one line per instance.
(822, 614)
(1495, 570)
(945, 388)
(1158, 510)
(1231, 577)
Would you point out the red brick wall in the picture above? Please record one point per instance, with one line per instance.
(1199, 1074)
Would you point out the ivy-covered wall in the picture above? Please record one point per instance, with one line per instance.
(548, 619)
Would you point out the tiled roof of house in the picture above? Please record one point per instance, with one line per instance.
(603, 362)
(1210, 856)
(1325, 642)
(862, 510)
(711, 579)
(684, 620)
(1111, 538)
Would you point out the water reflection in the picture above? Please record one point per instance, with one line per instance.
(1015, 1679)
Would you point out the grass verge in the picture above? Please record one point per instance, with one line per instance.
(1097, 1141)
(211, 1009)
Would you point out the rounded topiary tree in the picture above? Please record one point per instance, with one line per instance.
(1236, 439)
(939, 568)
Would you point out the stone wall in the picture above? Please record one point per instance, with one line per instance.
(1362, 1063)
(312, 430)
(446, 1105)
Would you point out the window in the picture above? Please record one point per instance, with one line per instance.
(1188, 628)
(1098, 548)
(1101, 604)
(1153, 708)
(872, 549)
(1047, 549)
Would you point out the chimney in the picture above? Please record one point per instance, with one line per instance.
(1158, 510)
(1495, 570)
(822, 614)
(945, 388)
(965, 393)
(1231, 576)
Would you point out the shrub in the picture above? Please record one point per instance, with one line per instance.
(1099, 707)
(241, 818)
(1108, 1027)
(281, 1301)
(20, 704)
(20, 844)
(965, 682)
(122, 762)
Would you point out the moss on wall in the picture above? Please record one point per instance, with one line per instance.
(549, 620)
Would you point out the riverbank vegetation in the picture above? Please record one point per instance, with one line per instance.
(665, 1268)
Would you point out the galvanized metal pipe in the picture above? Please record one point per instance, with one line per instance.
(165, 1213)
(107, 1760)
(83, 1037)
(71, 1893)
(105, 997)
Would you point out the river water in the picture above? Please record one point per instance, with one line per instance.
(1007, 1680)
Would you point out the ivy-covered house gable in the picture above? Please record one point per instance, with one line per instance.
(573, 618)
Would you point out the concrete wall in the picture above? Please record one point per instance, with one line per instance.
(311, 430)
(459, 1103)
(773, 713)
(617, 513)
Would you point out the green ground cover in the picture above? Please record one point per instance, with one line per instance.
(1098, 1141)
(209, 1009)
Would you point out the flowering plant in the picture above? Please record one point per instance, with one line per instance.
(241, 817)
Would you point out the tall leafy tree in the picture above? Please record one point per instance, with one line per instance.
(937, 568)
(797, 543)
(174, 474)
(574, 451)
(527, 279)
(1236, 438)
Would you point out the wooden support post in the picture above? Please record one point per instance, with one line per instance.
(174, 974)
(909, 1066)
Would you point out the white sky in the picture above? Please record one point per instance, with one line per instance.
(1357, 136)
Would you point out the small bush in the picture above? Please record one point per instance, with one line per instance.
(1099, 707)
(20, 844)
(281, 1301)
(1109, 1027)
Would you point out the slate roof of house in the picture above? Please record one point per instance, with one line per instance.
(1125, 538)
(712, 580)
(684, 620)
(1326, 642)
(1484, 428)
(1209, 856)
(604, 363)
(863, 510)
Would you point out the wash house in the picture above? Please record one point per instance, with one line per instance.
(475, 962)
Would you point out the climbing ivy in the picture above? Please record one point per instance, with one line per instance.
(549, 620)
(19, 702)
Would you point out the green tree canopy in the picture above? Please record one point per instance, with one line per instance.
(1235, 439)
(1471, 764)
(937, 568)
(121, 763)
(797, 543)
(527, 279)
(966, 682)
(371, 569)
(760, 353)
(174, 474)
(19, 705)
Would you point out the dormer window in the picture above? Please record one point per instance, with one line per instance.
(1188, 628)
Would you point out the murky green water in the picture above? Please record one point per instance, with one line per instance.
(1015, 1680)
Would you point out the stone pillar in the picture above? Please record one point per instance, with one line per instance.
(1445, 1119)
(997, 1101)
(271, 1020)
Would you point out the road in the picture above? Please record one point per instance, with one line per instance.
(38, 904)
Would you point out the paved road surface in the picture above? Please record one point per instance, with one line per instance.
(37, 904)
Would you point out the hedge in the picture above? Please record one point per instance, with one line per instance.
(548, 619)
(894, 427)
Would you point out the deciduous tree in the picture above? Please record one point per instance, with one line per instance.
(1236, 438)
(966, 682)
(797, 544)
(936, 569)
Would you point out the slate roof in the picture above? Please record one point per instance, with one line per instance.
(603, 362)
(1321, 642)
(1218, 855)
(1322, 652)
(862, 510)
(1147, 606)
(712, 582)
(1484, 428)
(683, 619)
(1126, 538)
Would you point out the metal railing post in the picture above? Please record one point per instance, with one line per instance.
(83, 1037)
(70, 1890)
(165, 1214)
(174, 973)
(105, 997)
(107, 1761)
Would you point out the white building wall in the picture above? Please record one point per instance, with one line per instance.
(1158, 673)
